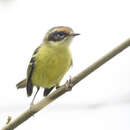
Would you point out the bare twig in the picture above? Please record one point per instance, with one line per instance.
(57, 93)
(9, 119)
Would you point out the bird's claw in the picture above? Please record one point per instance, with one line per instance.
(57, 87)
(69, 85)
(31, 105)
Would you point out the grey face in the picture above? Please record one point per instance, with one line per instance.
(57, 36)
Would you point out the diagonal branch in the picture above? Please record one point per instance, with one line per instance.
(57, 93)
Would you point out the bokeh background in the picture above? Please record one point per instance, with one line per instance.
(99, 102)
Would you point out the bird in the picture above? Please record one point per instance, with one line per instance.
(50, 61)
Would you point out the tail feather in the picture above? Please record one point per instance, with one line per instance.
(21, 84)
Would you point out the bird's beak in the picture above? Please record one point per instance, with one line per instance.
(74, 34)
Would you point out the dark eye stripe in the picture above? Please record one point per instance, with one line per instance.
(62, 33)
(57, 36)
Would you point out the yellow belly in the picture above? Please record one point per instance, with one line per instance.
(50, 66)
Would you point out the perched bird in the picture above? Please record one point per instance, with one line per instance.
(50, 61)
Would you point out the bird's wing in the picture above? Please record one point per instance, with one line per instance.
(30, 71)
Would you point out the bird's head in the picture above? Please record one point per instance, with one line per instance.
(59, 36)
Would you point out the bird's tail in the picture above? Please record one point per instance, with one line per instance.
(21, 84)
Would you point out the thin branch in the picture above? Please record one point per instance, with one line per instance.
(57, 93)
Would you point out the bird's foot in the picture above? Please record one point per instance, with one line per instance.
(31, 105)
(57, 86)
(69, 84)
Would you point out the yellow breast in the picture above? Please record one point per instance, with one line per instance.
(50, 66)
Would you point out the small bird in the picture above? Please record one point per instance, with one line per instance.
(50, 61)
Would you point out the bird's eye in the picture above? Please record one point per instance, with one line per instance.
(57, 36)
(61, 34)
